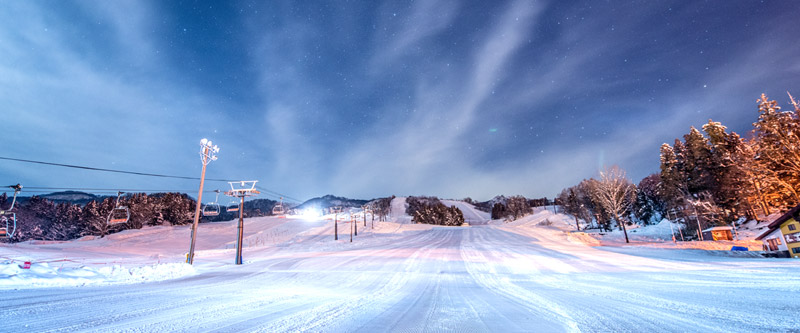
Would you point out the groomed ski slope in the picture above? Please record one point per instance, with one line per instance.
(519, 276)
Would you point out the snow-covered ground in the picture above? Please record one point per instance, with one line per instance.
(472, 216)
(398, 211)
(527, 275)
(660, 235)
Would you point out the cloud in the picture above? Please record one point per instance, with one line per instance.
(400, 37)
(420, 151)
(96, 108)
(431, 97)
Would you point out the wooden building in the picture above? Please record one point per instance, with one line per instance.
(783, 235)
(718, 233)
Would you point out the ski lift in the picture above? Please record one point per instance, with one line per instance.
(240, 189)
(8, 219)
(278, 208)
(212, 209)
(120, 214)
(233, 206)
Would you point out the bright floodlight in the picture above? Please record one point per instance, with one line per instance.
(208, 151)
(311, 214)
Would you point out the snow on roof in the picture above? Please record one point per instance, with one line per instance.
(718, 228)
(777, 223)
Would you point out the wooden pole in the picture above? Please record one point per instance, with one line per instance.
(190, 255)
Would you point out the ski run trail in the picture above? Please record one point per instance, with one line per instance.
(521, 276)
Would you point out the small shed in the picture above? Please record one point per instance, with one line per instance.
(718, 233)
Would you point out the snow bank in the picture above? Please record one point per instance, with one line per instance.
(45, 275)
(657, 235)
(660, 235)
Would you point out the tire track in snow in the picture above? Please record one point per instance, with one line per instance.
(329, 313)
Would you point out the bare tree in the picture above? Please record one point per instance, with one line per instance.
(616, 194)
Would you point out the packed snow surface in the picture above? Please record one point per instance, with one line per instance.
(472, 216)
(527, 275)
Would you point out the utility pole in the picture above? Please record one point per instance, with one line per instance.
(672, 231)
(351, 228)
(207, 154)
(364, 209)
(372, 214)
(680, 230)
(697, 219)
(336, 211)
(355, 222)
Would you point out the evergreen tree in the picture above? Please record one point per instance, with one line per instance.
(648, 204)
(729, 175)
(778, 137)
(518, 206)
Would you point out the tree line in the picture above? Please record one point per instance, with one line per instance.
(430, 210)
(711, 177)
(381, 207)
(42, 219)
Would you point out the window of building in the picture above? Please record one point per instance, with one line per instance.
(773, 243)
(796, 250)
(792, 227)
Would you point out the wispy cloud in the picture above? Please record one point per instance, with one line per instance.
(430, 97)
(78, 100)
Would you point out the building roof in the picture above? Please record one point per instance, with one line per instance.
(718, 228)
(792, 213)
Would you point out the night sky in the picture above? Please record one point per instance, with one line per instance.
(368, 99)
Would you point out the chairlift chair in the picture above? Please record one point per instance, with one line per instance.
(120, 214)
(233, 206)
(8, 219)
(212, 209)
(278, 208)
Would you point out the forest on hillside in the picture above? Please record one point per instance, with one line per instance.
(709, 178)
(42, 219)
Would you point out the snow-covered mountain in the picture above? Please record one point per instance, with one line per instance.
(329, 200)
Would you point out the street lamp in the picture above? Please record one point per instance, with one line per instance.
(208, 153)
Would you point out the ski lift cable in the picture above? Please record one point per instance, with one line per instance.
(278, 194)
(47, 190)
(114, 190)
(141, 174)
(277, 197)
(111, 170)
